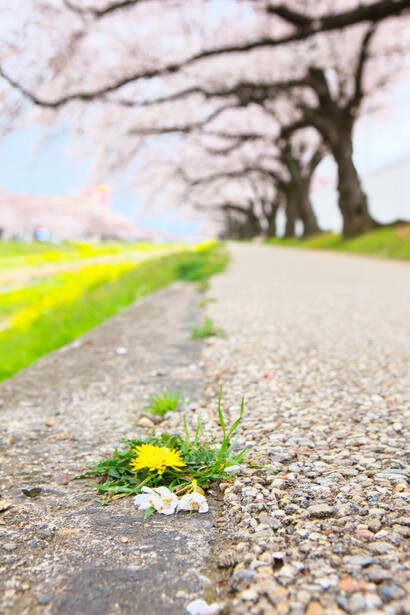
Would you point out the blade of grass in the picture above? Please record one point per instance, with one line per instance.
(236, 423)
(186, 431)
(198, 430)
(220, 414)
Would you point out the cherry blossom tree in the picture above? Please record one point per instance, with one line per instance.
(280, 177)
(307, 63)
(329, 97)
(75, 217)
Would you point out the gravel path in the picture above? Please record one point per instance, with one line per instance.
(319, 345)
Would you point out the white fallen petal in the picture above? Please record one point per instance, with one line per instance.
(193, 501)
(164, 492)
(200, 607)
(142, 501)
(167, 508)
(203, 508)
(160, 498)
(185, 502)
(147, 490)
(121, 350)
(169, 501)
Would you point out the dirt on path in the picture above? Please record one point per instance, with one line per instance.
(61, 552)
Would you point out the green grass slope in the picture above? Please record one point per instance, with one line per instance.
(389, 242)
(39, 319)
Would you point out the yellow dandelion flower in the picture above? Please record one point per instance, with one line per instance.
(156, 458)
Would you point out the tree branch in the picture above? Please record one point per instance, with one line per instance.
(364, 12)
(293, 17)
(98, 93)
(371, 12)
(183, 128)
(287, 131)
(248, 170)
(246, 92)
(98, 13)
(357, 97)
(236, 208)
(240, 136)
(315, 160)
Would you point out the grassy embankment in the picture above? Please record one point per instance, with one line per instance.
(48, 312)
(389, 242)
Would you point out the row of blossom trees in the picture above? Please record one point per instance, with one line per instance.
(225, 106)
(61, 218)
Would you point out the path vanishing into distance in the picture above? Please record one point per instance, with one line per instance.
(319, 344)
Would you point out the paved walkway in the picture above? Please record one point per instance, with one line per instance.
(60, 552)
(320, 346)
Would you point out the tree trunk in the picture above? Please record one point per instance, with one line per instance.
(306, 213)
(241, 223)
(291, 215)
(352, 200)
(252, 226)
(272, 230)
(299, 189)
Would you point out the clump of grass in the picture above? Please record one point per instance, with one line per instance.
(206, 301)
(203, 286)
(166, 401)
(198, 269)
(204, 461)
(207, 329)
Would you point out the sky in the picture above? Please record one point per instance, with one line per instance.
(30, 164)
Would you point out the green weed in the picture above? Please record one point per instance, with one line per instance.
(205, 461)
(166, 401)
(207, 329)
(200, 270)
(206, 301)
